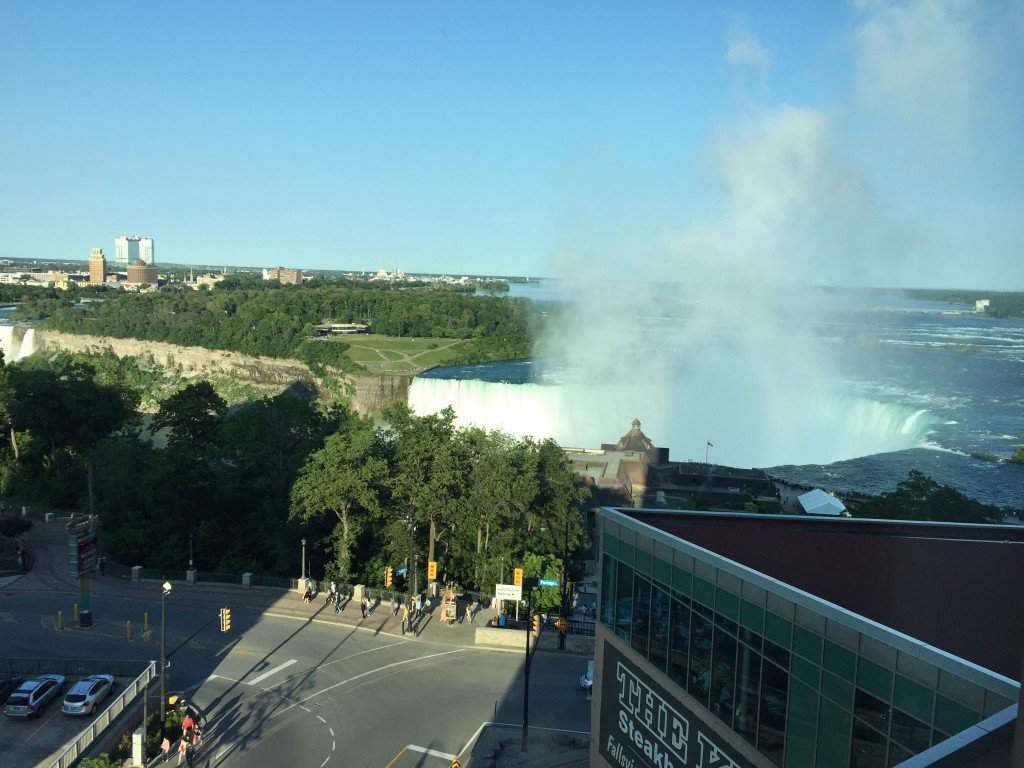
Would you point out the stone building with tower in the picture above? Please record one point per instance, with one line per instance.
(97, 267)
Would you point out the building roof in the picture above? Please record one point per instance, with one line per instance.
(818, 502)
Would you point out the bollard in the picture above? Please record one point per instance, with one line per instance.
(145, 622)
(128, 630)
(60, 620)
(74, 612)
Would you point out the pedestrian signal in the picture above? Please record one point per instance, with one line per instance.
(225, 619)
(536, 625)
(517, 577)
(389, 575)
(432, 570)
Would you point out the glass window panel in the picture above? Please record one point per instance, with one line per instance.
(704, 592)
(752, 639)
(938, 736)
(663, 571)
(728, 625)
(752, 616)
(839, 661)
(838, 690)
(834, 725)
(910, 732)
(952, 717)
(771, 726)
(679, 647)
(801, 725)
(868, 748)
(913, 698)
(611, 544)
(626, 553)
(807, 644)
(748, 679)
(624, 601)
(682, 581)
(897, 755)
(607, 591)
(875, 679)
(699, 684)
(658, 642)
(872, 710)
(644, 562)
(806, 671)
(641, 613)
(723, 676)
(727, 605)
(777, 629)
(779, 655)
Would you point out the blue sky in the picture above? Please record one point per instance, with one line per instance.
(873, 142)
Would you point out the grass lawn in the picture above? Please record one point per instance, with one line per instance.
(391, 353)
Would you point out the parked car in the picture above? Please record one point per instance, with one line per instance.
(587, 678)
(32, 696)
(86, 694)
(8, 685)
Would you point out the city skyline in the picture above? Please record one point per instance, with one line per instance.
(869, 143)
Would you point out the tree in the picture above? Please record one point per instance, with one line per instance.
(192, 416)
(919, 497)
(344, 479)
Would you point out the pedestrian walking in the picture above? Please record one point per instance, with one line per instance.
(363, 605)
(405, 618)
(469, 612)
(103, 565)
(337, 602)
(419, 605)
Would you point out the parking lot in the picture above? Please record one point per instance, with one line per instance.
(34, 740)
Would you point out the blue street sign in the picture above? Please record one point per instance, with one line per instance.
(403, 570)
(549, 582)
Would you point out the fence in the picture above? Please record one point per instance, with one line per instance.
(72, 667)
(76, 746)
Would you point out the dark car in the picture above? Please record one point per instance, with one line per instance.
(8, 685)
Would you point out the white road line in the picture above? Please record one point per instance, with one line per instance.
(473, 738)
(227, 647)
(325, 761)
(372, 672)
(335, 661)
(331, 730)
(270, 672)
(432, 752)
(321, 719)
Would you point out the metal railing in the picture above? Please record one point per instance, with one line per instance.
(72, 667)
(74, 748)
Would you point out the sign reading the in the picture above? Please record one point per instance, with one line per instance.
(508, 592)
(643, 725)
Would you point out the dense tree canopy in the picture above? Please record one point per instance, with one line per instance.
(919, 497)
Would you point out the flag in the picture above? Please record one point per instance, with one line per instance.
(710, 444)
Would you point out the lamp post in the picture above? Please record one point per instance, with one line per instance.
(165, 591)
(561, 606)
(303, 560)
(190, 550)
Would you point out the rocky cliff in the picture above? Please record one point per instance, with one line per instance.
(366, 394)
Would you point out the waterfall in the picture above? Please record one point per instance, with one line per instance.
(17, 342)
(790, 426)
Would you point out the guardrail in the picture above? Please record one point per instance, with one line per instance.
(74, 748)
(73, 667)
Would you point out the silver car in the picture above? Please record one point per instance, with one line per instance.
(33, 695)
(86, 694)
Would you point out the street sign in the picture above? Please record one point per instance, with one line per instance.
(456, 764)
(508, 592)
(549, 582)
(403, 570)
(82, 545)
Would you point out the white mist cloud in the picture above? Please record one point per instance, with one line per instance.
(920, 62)
(744, 49)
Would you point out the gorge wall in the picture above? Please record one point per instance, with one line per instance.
(365, 394)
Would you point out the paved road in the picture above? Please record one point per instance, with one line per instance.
(295, 684)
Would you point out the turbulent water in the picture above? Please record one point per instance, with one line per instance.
(920, 386)
(16, 342)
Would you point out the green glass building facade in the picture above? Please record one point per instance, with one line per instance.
(801, 680)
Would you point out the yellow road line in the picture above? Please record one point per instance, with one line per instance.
(396, 757)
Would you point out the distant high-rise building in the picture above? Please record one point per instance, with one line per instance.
(128, 250)
(284, 276)
(97, 266)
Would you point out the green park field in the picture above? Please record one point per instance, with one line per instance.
(392, 353)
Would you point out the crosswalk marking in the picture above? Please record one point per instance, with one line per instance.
(270, 672)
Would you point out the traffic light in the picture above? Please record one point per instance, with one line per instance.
(225, 619)
(389, 574)
(517, 577)
(536, 625)
(432, 570)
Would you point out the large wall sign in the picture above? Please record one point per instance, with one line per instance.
(643, 726)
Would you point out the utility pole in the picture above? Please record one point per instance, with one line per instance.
(526, 683)
(561, 607)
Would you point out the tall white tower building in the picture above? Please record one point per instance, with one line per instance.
(129, 249)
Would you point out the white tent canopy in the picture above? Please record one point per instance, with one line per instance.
(817, 502)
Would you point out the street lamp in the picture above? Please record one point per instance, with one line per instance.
(561, 607)
(303, 559)
(190, 550)
(166, 590)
